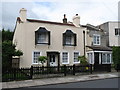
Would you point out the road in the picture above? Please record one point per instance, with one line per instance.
(104, 83)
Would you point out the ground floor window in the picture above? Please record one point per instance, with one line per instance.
(36, 54)
(76, 54)
(65, 57)
(106, 58)
(101, 58)
(90, 58)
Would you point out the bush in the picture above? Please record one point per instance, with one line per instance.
(116, 57)
(83, 60)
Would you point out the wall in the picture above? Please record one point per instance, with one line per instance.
(26, 41)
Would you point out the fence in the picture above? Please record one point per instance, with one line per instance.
(30, 73)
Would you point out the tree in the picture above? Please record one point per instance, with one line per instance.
(8, 49)
(83, 60)
(116, 57)
(42, 59)
(7, 35)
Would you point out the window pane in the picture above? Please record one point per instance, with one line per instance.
(41, 38)
(103, 58)
(35, 57)
(116, 31)
(119, 31)
(68, 39)
(76, 54)
(65, 57)
(108, 58)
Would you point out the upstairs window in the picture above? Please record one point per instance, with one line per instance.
(42, 36)
(96, 39)
(117, 31)
(69, 38)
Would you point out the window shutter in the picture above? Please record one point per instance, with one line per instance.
(64, 39)
(49, 38)
(75, 39)
(36, 37)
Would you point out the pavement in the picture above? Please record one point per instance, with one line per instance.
(58, 80)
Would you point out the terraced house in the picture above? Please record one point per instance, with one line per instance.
(62, 42)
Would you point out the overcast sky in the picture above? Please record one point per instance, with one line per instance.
(94, 12)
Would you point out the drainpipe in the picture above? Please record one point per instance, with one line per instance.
(84, 41)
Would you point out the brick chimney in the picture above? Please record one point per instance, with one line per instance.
(76, 20)
(23, 14)
(64, 19)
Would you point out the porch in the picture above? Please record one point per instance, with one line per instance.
(100, 57)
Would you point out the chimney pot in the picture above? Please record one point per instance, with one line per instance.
(76, 14)
(64, 19)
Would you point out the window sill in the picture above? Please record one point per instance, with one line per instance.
(106, 63)
(69, 45)
(96, 44)
(76, 62)
(42, 43)
(36, 63)
(65, 63)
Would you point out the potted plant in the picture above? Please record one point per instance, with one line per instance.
(42, 59)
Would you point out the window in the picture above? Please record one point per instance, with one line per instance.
(65, 58)
(106, 58)
(90, 58)
(42, 38)
(76, 54)
(96, 39)
(68, 40)
(36, 54)
(117, 31)
(103, 58)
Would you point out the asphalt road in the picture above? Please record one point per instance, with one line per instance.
(104, 83)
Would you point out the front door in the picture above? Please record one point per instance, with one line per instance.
(53, 61)
(96, 64)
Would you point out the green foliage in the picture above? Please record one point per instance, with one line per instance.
(7, 35)
(116, 55)
(8, 49)
(83, 60)
(18, 53)
(42, 59)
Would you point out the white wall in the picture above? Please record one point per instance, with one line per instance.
(25, 38)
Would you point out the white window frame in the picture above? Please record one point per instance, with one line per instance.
(33, 57)
(74, 57)
(90, 60)
(96, 35)
(62, 57)
(118, 29)
(106, 58)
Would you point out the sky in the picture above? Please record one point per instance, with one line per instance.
(93, 12)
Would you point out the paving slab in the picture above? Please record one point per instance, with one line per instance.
(57, 80)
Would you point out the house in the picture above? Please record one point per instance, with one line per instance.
(62, 42)
(112, 31)
(97, 51)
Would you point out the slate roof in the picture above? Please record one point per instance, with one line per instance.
(42, 21)
(101, 48)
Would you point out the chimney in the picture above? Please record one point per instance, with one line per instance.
(76, 20)
(64, 19)
(23, 15)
